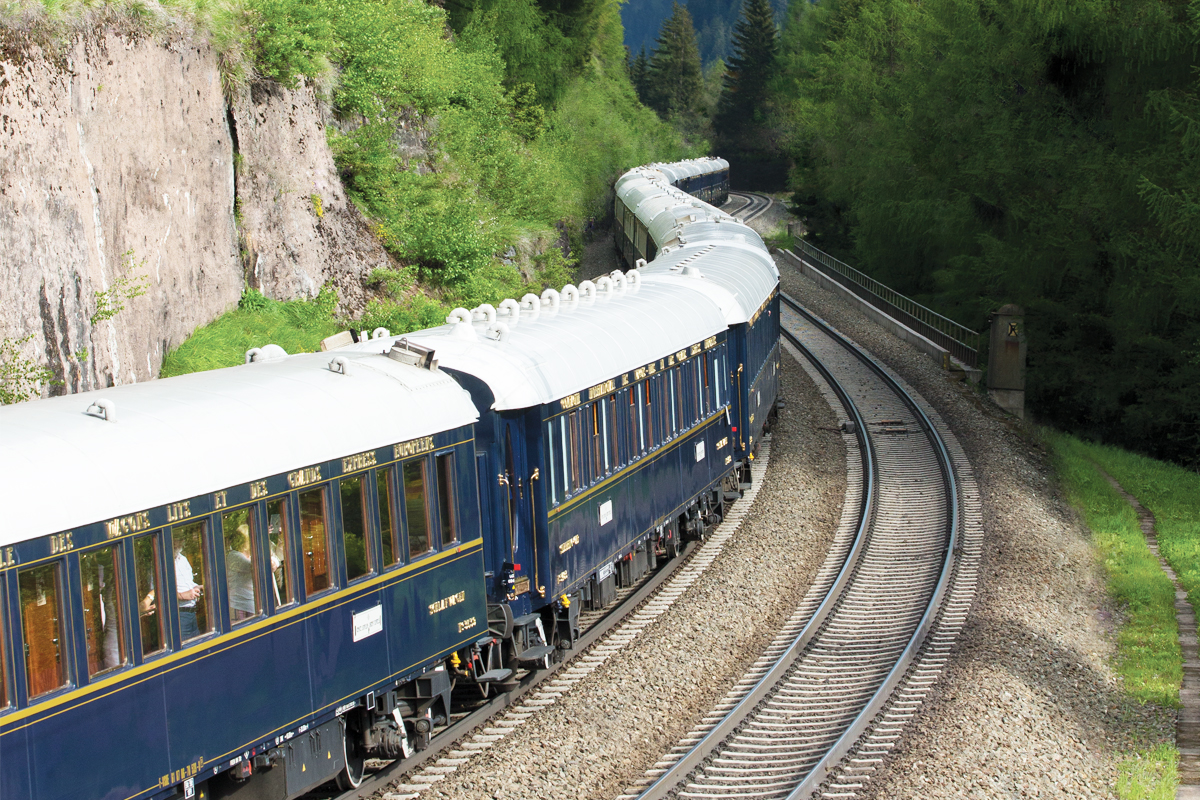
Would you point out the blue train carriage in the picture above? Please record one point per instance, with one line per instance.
(689, 239)
(234, 583)
(603, 439)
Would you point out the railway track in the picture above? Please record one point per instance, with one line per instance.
(753, 205)
(604, 634)
(822, 707)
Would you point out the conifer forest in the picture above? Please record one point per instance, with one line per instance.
(972, 153)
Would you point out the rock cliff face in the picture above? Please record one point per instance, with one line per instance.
(119, 160)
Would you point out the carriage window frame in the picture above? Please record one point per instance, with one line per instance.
(285, 559)
(365, 516)
(445, 466)
(255, 545)
(7, 699)
(553, 462)
(323, 490)
(62, 653)
(143, 600)
(118, 607)
(422, 463)
(393, 530)
(202, 577)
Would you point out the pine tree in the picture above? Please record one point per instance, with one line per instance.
(675, 76)
(749, 70)
(639, 76)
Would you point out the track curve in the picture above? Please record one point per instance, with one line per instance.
(790, 728)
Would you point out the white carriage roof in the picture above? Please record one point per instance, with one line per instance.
(736, 270)
(554, 353)
(180, 437)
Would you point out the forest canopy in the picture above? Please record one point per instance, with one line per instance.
(974, 153)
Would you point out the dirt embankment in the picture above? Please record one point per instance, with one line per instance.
(122, 156)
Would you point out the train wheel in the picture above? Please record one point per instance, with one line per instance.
(351, 775)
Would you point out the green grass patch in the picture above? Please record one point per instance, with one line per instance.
(1149, 659)
(1149, 775)
(298, 326)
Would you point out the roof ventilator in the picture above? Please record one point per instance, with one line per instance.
(340, 365)
(484, 313)
(102, 409)
(641, 262)
(380, 333)
(634, 276)
(497, 331)
(618, 279)
(268, 352)
(550, 297)
(604, 284)
(458, 315)
(531, 302)
(587, 289)
(406, 352)
(509, 308)
(569, 294)
(692, 272)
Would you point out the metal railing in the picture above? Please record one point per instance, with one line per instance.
(962, 342)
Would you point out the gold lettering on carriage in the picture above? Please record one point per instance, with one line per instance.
(710, 343)
(178, 511)
(695, 349)
(303, 477)
(602, 389)
(412, 448)
(358, 461)
(447, 602)
(130, 524)
(568, 544)
(61, 543)
(258, 489)
(570, 401)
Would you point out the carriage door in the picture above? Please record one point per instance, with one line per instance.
(516, 482)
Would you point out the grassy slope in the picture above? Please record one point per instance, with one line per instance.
(1149, 659)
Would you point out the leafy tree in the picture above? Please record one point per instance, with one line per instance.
(639, 76)
(750, 69)
(677, 81)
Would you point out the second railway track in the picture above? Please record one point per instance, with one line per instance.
(823, 706)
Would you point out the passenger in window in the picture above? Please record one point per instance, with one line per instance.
(239, 572)
(188, 592)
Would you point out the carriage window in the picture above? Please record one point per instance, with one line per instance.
(552, 461)
(387, 532)
(445, 487)
(597, 441)
(354, 528)
(42, 620)
(699, 392)
(102, 624)
(717, 382)
(314, 542)
(632, 439)
(281, 585)
(614, 441)
(566, 462)
(3, 671)
(573, 450)
(241, 561)
(602, 410)
(704, 364)
(646, 388)
(671, 389)
(145, 560)
(191, 570)
(416, 508)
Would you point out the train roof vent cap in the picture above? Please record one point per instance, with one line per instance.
(268, 352)
(406, 352)
(692, 272)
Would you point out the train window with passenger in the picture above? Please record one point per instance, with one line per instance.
(314, 541)
(387, 529)
(189, 545)
(42, 621)
(354, 527)
(277, 542)
(447, 509)
(416, 508)
(241, 564)
(103, 626)
(148, 576)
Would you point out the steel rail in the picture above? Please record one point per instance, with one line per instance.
(777, 740)
(736, 716)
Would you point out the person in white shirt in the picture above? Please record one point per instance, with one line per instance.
(188, 592)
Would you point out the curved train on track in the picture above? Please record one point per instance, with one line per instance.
(243, 583)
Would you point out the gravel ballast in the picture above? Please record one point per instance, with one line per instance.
(614, 724)
(1029, 706)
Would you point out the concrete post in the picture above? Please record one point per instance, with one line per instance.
(1006, 359)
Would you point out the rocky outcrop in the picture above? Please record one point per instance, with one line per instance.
(118, 159)
(299, 230)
